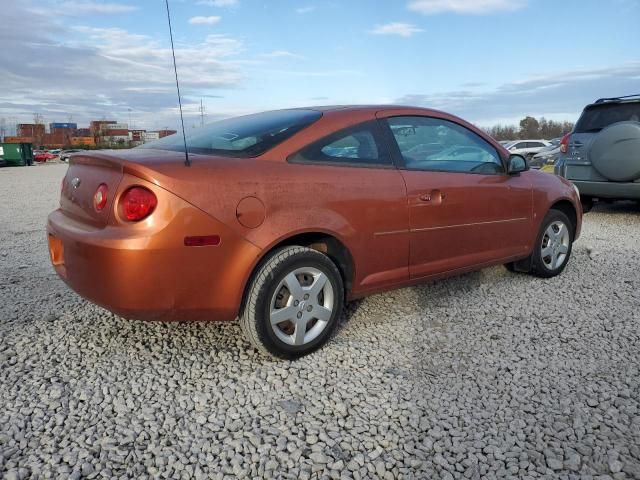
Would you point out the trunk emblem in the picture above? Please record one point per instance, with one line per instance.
(75, 183)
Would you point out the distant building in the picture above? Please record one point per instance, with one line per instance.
(100, 125)
(150, 136)
(137, 135)
(166, 133)
(34, 130)
(62, 126)
(82, 142)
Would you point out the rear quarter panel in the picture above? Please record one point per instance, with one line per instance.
(364, 208)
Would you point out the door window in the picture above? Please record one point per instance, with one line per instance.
(353, 146)
(434, 144)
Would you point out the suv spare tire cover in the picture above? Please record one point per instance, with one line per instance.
(615, 152)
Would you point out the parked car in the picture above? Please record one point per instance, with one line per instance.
(66, 154)
(43, 155)
(263, 221)
(55, 151)
(546, 156)
(601, 156)
(527, 148)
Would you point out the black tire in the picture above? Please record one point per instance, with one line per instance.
(539, 267)
(255, 316)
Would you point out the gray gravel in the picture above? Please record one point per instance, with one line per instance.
(490, 375)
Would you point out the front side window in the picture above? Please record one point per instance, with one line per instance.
(435, 144)
(353, 146)
(246, 136)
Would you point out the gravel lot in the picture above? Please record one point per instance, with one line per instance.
(487, 375)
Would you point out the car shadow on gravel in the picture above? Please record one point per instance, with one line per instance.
(617, 208)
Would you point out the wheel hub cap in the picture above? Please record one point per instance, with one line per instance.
(555, 245)
(301, 306)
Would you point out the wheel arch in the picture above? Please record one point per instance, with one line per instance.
(568, 208)
(322, 241)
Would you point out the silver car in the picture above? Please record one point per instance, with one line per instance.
(601, 156)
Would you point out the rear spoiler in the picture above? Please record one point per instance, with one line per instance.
(113, 163)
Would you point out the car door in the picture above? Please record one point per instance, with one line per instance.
(464, 210)
(366, 189)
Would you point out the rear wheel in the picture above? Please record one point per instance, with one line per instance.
(293, 303)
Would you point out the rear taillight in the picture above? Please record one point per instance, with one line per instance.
(138, 203)
(564, 143)
(100, 197)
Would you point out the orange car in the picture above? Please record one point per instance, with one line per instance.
(282, 216)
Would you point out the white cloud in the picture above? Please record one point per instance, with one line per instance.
(560, 95)
(101, 72)
(396, 28)
(303, 10)
(200, 20)
(217, 3)
(93, 8)
(431, 7)
(281, 54)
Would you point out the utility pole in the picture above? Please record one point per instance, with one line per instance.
(201, 114)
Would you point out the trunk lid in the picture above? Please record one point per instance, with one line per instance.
(85, 174)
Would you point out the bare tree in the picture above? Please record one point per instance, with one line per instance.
(38, 132)
(3, 128)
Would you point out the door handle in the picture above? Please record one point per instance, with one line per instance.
(435, 196)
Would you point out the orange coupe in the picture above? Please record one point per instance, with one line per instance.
(282, 216)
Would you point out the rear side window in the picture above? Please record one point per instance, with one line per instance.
(353, 146)
(246, 136)
(596, 117)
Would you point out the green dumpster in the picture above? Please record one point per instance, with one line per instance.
(16, 154)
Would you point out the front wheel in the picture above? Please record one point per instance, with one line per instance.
(552, 247)
(293, 303)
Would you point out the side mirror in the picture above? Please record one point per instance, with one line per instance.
(516, 164)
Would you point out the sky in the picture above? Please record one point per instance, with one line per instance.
(488, 61)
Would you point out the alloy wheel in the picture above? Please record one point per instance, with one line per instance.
(555, 245)
(301, 306)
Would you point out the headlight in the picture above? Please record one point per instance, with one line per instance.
(576, 189)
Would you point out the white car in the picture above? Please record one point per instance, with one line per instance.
(527, 148)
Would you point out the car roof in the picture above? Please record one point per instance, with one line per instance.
(623, 99)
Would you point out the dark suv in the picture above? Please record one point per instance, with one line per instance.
(601, 156)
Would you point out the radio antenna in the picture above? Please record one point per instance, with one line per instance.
(175, 70)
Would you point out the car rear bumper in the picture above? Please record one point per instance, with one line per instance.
(613, 190)
(152, 275)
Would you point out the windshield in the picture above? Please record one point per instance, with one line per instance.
(246, 136)
(597, 117)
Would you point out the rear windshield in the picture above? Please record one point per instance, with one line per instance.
(597, 117)
(246, 136)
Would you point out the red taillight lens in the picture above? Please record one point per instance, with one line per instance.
(564, 143)
(138, 203)
(100, 197)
